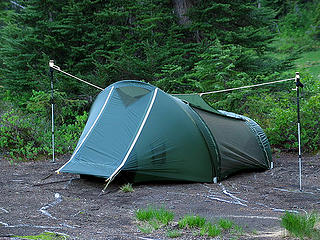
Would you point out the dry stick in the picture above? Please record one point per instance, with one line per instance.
(41, 184)
(4, 210)
(46, 177)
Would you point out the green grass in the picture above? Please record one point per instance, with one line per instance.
(301, 226)
(210, 229)
(146, 229)
(46, 236)
(213, 230)
(127, 188)
(310, 61)
(237, 230)
(225, 224)
(192, 222)
(153, 218)
(174, 234)
(162, 215)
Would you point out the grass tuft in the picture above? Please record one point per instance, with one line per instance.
(192, 222)
(174, 234)
(46, 236)
(225, 224)
(127, 188)
(213, 230)
(301, 225)
(154, 216)
(145, 229)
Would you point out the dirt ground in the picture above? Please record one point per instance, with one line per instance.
(31, 202)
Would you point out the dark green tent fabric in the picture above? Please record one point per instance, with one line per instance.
(137, 128)
(195, 100)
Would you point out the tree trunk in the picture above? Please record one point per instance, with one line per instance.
(181, 8)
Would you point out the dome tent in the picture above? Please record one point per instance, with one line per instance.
(134, 126)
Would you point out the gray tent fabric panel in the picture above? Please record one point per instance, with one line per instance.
(171, 146)
(238, 147)
(259, 133)
(111, 137)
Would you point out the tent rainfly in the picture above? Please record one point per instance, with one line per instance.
(137, 128)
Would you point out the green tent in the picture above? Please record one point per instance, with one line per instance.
(136, 128)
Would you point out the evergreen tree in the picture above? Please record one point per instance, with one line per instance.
(108, 41)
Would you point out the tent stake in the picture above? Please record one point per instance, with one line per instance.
(298, 85)
(51, 64)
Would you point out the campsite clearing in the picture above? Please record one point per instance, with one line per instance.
(33, 201)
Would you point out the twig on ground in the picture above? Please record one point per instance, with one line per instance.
(44, 208)
(6, 225)
(47, 183)
(46, 177)
(293, 191)
(4, 210)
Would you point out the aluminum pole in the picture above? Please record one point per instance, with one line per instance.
(51, 64)
(298, 85)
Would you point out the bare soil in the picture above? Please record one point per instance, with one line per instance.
(33, 201)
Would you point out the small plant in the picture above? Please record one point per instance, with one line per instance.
(301, 225)
(225, 224)
(145, 214)
(213, 230)
(145, 229)
(154, 218)
(192, 222)
(127, 188)
(174, 234)
(162, 215)
(210, 229)
(155, 224)
(238, 230)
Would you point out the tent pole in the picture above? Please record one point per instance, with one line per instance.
(298, 85)
(51, 64)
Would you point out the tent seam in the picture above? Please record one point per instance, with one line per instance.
(136, 137)
(95, 121)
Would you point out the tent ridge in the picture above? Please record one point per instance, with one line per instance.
(84, 139)
(136, 137)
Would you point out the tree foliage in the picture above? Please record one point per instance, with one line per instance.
(107, 41)
(210, 45)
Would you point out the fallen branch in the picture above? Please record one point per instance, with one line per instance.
(57, 201)
(293, 191)
(47, 183)
(33, 226)
(4, 210)
(46, 177)
(224, 190)
(249, 216)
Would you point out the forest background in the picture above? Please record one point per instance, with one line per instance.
(181, 46)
